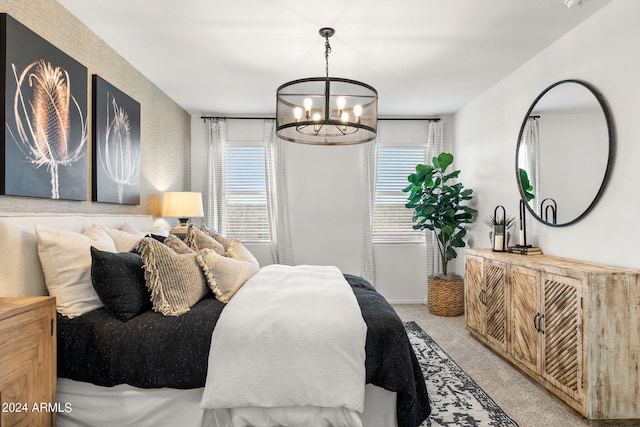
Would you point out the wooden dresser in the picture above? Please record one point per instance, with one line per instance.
(572, 326)
(27, 361)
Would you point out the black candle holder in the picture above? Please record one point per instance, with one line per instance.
(499, 238)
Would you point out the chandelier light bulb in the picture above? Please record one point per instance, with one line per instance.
(341, 102)
(297, 113)
(357, 110)
(308, 103)
(344, 117)
(316, 117)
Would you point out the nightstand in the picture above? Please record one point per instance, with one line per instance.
(27, 361)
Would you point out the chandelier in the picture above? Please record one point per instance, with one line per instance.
(326, 110)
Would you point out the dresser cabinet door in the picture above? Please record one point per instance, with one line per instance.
(495, 300)
(474, 293)
(562, 326)
(525, 321)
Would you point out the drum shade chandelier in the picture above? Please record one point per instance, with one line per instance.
(326, 110)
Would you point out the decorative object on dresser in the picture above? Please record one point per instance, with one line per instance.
(28, 361)
(182, 205)
(499, 234)
(441, 208)
(572, 326)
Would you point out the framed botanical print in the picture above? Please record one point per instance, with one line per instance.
(45, 116)
(116, 145)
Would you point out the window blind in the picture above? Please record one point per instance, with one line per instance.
(246, 197)
(392, 221)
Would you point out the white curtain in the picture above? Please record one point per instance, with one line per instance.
(214, 177)
(367, 268)
(275, 166)
(529, 158)
(435, 146)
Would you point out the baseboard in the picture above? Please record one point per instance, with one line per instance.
(403, 301)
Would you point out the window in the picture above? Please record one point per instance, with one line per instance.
(392, 221)
(246, 195)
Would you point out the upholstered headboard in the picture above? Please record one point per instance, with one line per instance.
(20, 270)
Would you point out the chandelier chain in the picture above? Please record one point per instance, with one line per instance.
(327, 50)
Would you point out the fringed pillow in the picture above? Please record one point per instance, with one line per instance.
(197, 239)
(175, 280)
(216, 236)
(177, 244)
(225, 275)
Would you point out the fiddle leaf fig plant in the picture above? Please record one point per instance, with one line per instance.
(440, 205)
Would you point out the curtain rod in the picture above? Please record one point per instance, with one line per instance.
(433, 119)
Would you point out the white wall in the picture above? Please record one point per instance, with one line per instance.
(604, 52)
(326, 210)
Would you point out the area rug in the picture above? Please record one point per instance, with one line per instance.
(456, 400)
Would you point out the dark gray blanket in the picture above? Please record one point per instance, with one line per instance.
(152, 350)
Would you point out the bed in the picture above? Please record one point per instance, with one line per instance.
(152, 368)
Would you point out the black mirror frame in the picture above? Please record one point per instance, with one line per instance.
(610, 160)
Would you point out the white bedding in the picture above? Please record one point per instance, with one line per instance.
(124, 405)
(307, 327)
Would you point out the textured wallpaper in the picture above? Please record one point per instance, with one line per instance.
(165, 127)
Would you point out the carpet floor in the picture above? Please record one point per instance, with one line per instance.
(524, 401)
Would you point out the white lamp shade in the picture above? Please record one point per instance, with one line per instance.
(182, 204)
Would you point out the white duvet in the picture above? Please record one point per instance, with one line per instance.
(290, 337)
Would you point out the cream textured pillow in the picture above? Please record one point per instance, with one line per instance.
(198, 239)
(175, 280)
(225, 275)
(237, 250)
(65, 257)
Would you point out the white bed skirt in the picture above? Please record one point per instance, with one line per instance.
(87, 405)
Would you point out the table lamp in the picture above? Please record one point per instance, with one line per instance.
(182, 205)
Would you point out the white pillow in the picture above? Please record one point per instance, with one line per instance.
(65, 257)
(159, 230)
(123, 240)
(224, 275)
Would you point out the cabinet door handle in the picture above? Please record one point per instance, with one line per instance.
(540, 323)
(535, 322)
(483, 299)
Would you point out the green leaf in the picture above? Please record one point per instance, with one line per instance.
(444, 160)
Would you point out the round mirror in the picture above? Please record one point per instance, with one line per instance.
(565, 152)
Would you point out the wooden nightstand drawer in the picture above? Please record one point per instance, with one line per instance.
(27, 361)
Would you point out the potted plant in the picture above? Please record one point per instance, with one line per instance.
(441, 206)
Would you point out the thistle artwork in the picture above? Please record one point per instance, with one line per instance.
(45, 142)
(116, 163)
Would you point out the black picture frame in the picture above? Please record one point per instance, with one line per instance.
(116, 145)
(44, 112)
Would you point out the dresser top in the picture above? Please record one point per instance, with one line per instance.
(549, 261)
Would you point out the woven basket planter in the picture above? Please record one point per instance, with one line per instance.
(446, 296)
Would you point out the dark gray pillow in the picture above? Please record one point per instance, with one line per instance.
(118, 278)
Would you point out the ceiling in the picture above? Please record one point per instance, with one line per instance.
(425, 57)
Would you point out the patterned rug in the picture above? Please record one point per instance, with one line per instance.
(456, 400)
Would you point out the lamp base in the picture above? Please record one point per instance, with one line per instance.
(181, 229)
